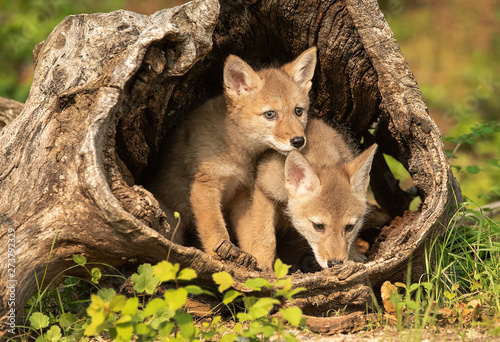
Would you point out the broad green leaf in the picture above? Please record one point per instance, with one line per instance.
(280, 269)
(53, 334)
(494, 162)
(166, 271)
(39, 321)
(106, 294)
(262, 307)
(79, 259)
(449, 295)
(224, 280)
(257, 284)
(66, 319)
(472, 169)
(413, 287)
(187, 274)
(124, 333)
(293, 315)
(176, 299)
(117, 303)
(130, 307)
(230, 296)
(291, 338)
(229, 338)
(144, 280)
(296, 290)
(196, 290)
(185, 323)
(143, 329)
(153, 307)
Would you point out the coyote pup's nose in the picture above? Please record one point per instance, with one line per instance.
(334, 262)
(297, 142)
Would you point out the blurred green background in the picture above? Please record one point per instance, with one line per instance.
(452, 47)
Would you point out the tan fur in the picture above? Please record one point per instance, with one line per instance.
(213, 153)
(327, 186)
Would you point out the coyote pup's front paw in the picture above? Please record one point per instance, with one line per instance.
(226, 250)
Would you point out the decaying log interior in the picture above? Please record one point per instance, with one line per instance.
(110, 88)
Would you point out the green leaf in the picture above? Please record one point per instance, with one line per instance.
(280, 269)
(229, 338)
(185, 323)
(454, 287)
(39, 321)
(79, 259)
(449, 295)
(196, 290)
(176, 299)
(257, 284)
(143, 329)
(262, 307)
(166, 271)
(124, 333)
(293, 315)
(53, 334)
(130, 307)
(106, 294)
(117, 303)
(96, 275)
(230, 296)
(67, 319)
(144, 280)
(494, 162)
(472, 169)
(187, 274)
(153, 307)
(223, 279)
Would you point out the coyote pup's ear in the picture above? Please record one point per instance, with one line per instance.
(239, 77)
(302, 69)
(359, 170)
(301, 180)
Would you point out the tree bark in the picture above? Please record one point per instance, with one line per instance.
(108, 90)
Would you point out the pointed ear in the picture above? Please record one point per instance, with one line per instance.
(300, 178)
(359, 170)
(302, 69)
(239, 77)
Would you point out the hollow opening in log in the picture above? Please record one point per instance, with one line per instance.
(345, 93)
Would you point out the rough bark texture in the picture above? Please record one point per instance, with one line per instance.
(9, 109)
(109, 88)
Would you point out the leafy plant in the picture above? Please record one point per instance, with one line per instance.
(161, 316)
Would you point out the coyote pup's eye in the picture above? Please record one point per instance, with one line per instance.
(270, 114)
(298, 111)
(349, 227)
(319, 227)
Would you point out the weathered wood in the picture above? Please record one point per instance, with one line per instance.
(9, 109)
(109, 88)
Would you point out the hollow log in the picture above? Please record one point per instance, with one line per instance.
(109, 89)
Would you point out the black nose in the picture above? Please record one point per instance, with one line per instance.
(297, 142)
(334, 262)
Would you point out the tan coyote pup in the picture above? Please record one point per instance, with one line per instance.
(323, 192)
(213, 153)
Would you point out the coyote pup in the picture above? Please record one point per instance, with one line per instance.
(323, 192)
(214, 151)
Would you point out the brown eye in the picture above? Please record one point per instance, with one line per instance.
(349, 227)
(319, 227)
(298, 111)
(270, 114)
